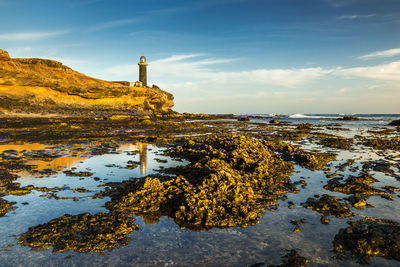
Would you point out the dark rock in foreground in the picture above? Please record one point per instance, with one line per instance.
(369, 238)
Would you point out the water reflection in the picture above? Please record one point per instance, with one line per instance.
(143, 158)
(43, 157)
(142, 149)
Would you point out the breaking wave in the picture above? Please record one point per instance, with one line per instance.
(303, 116)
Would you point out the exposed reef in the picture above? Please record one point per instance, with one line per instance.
(394, 123)
(383, 143)
(349, 118)
(369, 238)
(5, 206)
(359, 186)
(229, 182)
(81, 233)
(291, 259)
(226, 181)
(329, 205)
(41, 86)
(337, 142)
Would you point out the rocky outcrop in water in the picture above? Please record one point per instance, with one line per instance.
(46, 86)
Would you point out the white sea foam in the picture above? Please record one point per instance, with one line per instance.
(298, 116)
(302, 116)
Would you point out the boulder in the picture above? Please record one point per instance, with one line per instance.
(394, 123)
(349, 118)
(243, 119)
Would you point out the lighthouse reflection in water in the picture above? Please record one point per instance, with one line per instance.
(142, 149)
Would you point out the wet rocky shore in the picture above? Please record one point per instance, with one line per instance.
(271, 185)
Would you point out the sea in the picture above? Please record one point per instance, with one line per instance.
(365, 120)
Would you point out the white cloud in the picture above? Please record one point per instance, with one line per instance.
(175, 58)
(193, 68)
(177, 66)
(29, 36)
(357, 16)
(382, 54)
(388, 72)
(198, 86)
(279, 77)
(112, 24)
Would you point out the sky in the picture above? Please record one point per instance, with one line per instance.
(225, 56)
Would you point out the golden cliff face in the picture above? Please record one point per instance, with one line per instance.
(47, 86)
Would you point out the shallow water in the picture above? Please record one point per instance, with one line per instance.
(164, 243)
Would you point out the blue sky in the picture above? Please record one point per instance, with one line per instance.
(225, 56)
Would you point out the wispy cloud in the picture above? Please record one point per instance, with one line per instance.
(29, 36)
(387, 72)
(381, 54)
(198, 85)
(339, 3)
(357, 16)
(112, 24)
(182, 66)
(175, 58)
(290, 78)
(194, 68)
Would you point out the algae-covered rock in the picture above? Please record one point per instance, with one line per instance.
(81, 233)
(78, 174)
(337, 142)
(369, 238)
(349, 118)
(291, 259)
(329, 205)
(359, 186)
(5, 206)
(304, 126)
(230, 181)
(383, 144)
(311, 160)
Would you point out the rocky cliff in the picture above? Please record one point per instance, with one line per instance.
(46, 87)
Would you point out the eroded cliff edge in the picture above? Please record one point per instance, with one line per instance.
(41, 86)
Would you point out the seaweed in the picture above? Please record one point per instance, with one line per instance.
(82, 233)
(367, 238)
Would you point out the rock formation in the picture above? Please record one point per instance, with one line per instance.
(48, 87)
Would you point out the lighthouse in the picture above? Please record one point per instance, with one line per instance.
(143, 70)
